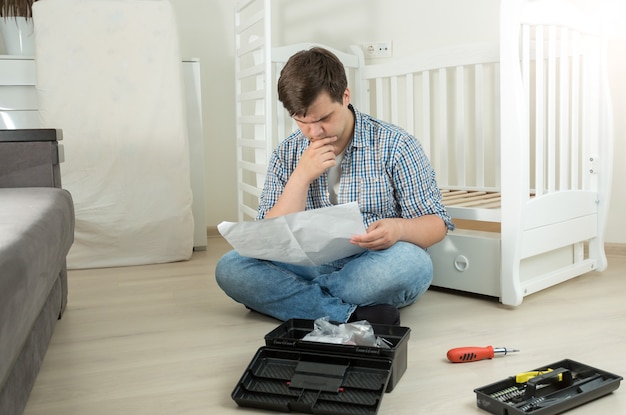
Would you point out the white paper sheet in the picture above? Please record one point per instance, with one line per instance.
(312, 237)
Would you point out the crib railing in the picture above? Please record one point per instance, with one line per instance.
(557, 145)
(561, 68)
(448, 99)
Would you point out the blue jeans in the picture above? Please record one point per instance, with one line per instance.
(397, 275)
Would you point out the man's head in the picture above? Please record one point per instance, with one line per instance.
(306, 75)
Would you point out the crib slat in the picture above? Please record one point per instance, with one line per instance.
(460, 194)
(591, 104)
(459, 130)
(472, 199)
(379, 98)
(539, 112)
(481, 203)
(497, 126)
(525, 50)
(393, 90)
(470, 196)
(442, 125)
(587, 106)
(426, 133)
(280, 112)
(410, 106)
(551, 132)
(451, 193)
(479, 107)
(575, 119)
(564, 137)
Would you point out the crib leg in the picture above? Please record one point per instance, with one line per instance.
(597, 252)
(510, 287)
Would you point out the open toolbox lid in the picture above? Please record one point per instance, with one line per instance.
(291, 374)
(309, 382)
(548, 390)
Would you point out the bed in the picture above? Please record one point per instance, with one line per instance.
(519, 133)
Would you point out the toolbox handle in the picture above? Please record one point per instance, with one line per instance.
(368, 350)
(551, 377)
(283, 342)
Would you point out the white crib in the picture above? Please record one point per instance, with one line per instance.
(519, 133)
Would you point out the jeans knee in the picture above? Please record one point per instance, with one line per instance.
(416, 275)
(415, 262)
(224, 270)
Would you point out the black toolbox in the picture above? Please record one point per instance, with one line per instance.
(291, 374)
(548, 390)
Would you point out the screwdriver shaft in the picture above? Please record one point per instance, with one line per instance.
(503, 351)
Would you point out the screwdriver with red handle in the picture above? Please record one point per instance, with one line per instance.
(473, 354)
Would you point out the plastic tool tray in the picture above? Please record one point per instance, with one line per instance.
(548, 390)
(290, 374)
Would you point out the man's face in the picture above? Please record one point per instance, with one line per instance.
(325, 118)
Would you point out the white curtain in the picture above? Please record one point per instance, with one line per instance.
(109, 75)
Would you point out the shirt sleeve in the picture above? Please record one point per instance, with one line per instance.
(282, 163)
(415, 181)
(275, 180)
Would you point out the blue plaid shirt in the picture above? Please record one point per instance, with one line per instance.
(384, 169)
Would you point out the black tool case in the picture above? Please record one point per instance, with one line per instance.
(291, 374)
(557, 388)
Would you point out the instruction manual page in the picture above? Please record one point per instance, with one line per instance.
(312, 237)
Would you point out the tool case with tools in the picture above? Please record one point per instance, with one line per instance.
(549, 390)
(292, 374)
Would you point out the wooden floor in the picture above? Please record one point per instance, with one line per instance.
(163, 339)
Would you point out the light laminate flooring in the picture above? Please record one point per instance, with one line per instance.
(164, 339)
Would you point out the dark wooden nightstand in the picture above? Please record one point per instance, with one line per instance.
(30, 157)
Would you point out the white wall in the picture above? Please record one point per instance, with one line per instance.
(616, 229)
(206, 31)
(410, 24)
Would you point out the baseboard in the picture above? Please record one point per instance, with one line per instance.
(212, 232)
(615, 249)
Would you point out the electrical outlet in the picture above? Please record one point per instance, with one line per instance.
(378, 49)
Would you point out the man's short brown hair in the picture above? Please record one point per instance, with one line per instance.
(307, 74)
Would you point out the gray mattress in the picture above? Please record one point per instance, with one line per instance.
(36, 232)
